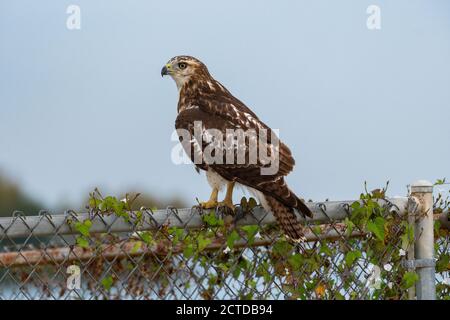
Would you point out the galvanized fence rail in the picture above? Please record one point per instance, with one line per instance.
(190, 253)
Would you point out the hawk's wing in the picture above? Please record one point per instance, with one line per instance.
(222, 113)
(235, 114)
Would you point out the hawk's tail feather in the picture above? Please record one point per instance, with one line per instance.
(303, 208)
(286, 219)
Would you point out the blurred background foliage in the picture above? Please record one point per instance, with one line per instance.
(14, 198)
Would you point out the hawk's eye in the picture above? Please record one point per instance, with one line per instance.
(182, 65)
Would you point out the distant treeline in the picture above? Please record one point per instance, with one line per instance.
(13, 198)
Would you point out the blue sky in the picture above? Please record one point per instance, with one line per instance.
(86, 108)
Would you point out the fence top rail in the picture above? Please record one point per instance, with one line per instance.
(189, 218)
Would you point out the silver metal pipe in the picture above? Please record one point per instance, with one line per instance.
(424, 240)
(47, 225)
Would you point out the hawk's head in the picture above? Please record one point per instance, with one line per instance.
(184, 68)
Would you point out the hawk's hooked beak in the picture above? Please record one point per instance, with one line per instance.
(165, 70)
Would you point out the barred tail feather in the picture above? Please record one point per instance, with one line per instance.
(303, 209)
(286, 218)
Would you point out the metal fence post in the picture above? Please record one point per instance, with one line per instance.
(413, 205)
(422, 191)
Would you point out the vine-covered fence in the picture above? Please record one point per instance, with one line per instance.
(372, 248)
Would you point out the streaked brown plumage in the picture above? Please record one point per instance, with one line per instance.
(204, 99)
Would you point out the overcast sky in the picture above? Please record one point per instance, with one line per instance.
(86, 108)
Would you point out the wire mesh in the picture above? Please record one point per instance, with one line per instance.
(116, 253)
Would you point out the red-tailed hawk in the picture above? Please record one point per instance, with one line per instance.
(208, 107)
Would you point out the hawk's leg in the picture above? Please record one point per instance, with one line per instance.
(212, 202)
(228, 201)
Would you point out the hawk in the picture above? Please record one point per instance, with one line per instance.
(206, 102)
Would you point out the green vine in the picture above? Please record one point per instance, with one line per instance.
(367, 266)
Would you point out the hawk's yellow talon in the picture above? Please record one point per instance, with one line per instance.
(227, 203)
(212, 202)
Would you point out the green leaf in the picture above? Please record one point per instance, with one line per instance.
(317, 229)
(82, 242)
(223, 267)
(202, 242)
(250, 231)
(409, 279)
(443, 262)
(281, 247)
(326, 250)
(296, 261)
(351, 256)
(350, 226)
(108, 204)
(94, 203)
(83, 227)
(232, 238)
(407, 238)
(357, 212)
(339, 296)
(236, 272)
(177, 234)
(355, 205)
(437, 226)
(136, 247)
(212, 220)
(262, 271)
(146, 237)
(377, 227)
(139, 216)
(107, 283)
(188, 251)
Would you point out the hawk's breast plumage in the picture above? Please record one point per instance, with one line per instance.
(204, 100)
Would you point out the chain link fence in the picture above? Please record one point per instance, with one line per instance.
(352, 250)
